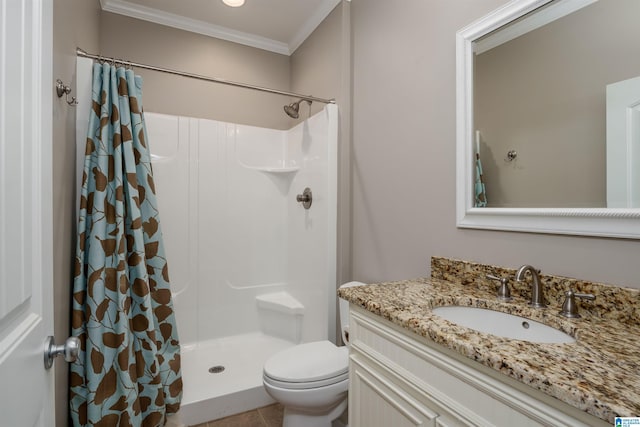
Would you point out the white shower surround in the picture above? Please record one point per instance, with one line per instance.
(233, 231)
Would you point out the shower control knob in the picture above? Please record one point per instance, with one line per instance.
(69, 349)
(306, 198)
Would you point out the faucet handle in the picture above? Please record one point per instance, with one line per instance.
(569, 307)
(504, 293)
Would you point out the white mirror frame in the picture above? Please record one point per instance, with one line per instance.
(624, 223)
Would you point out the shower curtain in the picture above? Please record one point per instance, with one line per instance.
(128, 370)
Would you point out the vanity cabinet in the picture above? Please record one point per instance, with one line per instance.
(398, 378)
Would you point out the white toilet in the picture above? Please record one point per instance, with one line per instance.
(311, 380)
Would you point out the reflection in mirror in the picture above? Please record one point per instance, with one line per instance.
(544, 95)
(549, 111)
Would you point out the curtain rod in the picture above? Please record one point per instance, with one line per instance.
(84, 54)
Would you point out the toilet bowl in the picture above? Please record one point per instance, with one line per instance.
(311, 380)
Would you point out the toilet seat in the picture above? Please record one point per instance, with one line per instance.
(306, 366)
(285, 385)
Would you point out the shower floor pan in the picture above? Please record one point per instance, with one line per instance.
(223, 376)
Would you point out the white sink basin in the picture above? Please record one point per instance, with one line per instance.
(502, 324)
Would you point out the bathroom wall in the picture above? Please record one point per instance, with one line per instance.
(404, 156)
(75, 22)
(316, 64)
(321, 67)
(167, 47)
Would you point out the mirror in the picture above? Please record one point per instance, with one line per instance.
(548, 109)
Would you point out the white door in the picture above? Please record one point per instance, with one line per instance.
(26, 86)
(623, 144)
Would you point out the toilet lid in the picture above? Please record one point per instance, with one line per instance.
(314, 361)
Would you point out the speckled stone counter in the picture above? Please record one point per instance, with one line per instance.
(599, 373)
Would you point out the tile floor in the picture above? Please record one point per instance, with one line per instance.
(268, 416)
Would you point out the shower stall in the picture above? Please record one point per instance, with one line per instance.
(251, 259)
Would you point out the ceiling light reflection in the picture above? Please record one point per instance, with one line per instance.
(233, 3)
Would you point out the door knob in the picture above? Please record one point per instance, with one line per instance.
(69, 349)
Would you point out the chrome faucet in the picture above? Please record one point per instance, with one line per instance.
(537, 292)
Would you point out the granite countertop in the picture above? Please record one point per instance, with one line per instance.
(599, 373)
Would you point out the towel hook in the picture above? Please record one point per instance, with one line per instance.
(511, 156)
(62, 89)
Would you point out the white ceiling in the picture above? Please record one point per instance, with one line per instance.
(275, 25)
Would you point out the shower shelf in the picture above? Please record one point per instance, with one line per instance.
(275, 169)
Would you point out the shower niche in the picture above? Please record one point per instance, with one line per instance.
(267, 150)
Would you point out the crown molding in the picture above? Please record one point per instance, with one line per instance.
(196, 26)
(312, 23)
(540, 18)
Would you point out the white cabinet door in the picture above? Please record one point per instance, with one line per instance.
(26, 86)
(376, 401)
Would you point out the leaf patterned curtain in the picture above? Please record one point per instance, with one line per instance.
(479, 187)
(128, 371)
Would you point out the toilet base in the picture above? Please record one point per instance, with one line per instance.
(297, 418)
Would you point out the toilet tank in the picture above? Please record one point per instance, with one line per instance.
(344, 312)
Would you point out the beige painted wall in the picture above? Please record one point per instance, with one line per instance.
(544, 95)
(321, 67)
(316, 64)
(404, 156)
(167, 47)
(75, 22)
